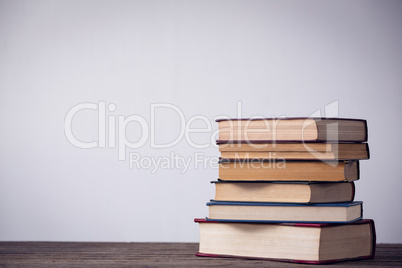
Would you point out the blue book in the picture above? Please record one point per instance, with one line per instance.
(345, 212)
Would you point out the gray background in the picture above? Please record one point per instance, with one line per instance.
(278, 58)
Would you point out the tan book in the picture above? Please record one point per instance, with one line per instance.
(289, 171)
(300, 192)
(293, 129)
(294, 151)
(300, 243)
(285, 212)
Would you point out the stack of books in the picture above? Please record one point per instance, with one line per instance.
(286, 192)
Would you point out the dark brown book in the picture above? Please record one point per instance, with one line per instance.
(330, 171)
(293, 129)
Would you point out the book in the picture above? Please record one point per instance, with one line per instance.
(300, 243)
(288, 170)
(284, 192)
(294, 150)
(293, 129)
(285, 212)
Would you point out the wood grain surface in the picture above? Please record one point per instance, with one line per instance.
(92, 254)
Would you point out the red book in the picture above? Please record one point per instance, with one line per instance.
(291, 242)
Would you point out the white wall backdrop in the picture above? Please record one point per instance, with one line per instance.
(275, 58)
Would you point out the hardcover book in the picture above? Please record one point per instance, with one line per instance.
(300, 243)
(288, 170)
(293, 129)
(285, 212)
(294, 151)
(284, 192)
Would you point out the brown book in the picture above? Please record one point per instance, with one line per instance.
(284, 192)
(294, 151)
(289, 171)
(300, 243)
(293, 129)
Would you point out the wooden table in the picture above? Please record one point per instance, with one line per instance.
(87, 254)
